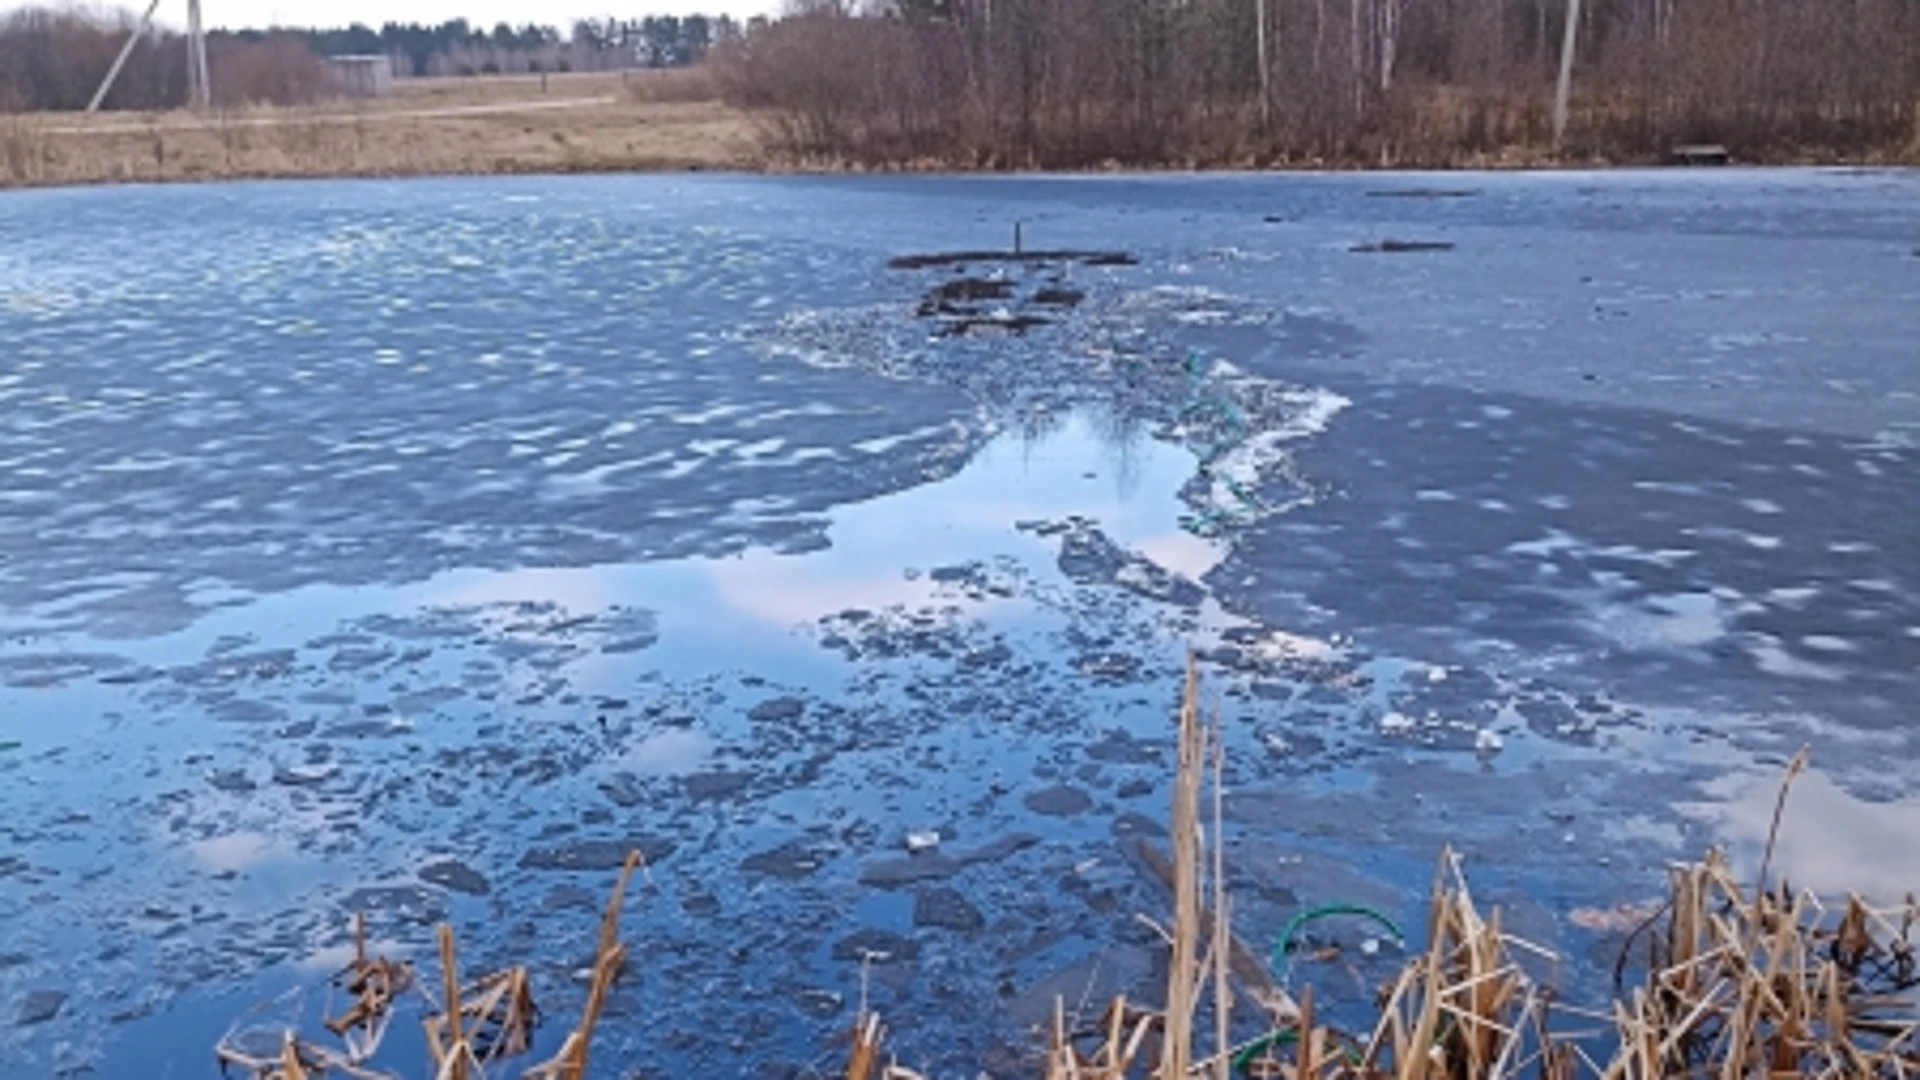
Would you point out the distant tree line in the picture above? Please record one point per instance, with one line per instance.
(53, 59)
(457, 47)
(1081, 82)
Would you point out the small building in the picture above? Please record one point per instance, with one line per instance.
(362, 76)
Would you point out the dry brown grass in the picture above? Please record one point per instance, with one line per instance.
(672, 84)
(579, 123)
(643, 121)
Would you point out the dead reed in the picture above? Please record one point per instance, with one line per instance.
(1733, 981)
(1736, 982)
(477, 1024)
(373, 982)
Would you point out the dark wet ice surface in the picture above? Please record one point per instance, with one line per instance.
(416, 549)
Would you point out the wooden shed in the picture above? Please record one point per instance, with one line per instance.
(362, 76)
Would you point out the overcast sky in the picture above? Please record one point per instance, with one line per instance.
(561, 13)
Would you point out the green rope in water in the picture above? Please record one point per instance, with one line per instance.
(1248, 1054)
(1282, 945)
(1284, 942)
(1251, 1051)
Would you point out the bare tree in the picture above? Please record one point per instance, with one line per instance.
(1062, 83)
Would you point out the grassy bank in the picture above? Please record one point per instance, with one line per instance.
(667, 121)
(512, 124)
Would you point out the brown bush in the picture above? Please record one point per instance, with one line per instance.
(1075, 83)
(54, 59)
(671, 85)
(276, 71)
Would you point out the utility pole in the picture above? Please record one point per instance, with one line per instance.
(120, 61)
(199, 91)
(1564, 88)
(1266, 90)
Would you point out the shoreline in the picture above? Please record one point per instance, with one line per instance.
(593, 123)
(748, 166)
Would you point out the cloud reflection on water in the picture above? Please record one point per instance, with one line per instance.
(1830, 839)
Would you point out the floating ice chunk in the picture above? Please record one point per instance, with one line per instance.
(1395, 723)
(1488, 742)
(1280, 647)
(918, 842)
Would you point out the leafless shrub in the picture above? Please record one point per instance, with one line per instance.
(53, 59)
(276, 71)
(1078, 83)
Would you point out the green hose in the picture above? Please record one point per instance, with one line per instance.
(1284, 943)
(1281, 945)
(1277, 1037)
(1251, 1052)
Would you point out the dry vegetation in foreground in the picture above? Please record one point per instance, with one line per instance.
(588, 122)
(1723, 980)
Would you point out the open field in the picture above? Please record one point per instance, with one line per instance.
(588, 122)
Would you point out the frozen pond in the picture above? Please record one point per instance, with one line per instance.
(415, 548)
